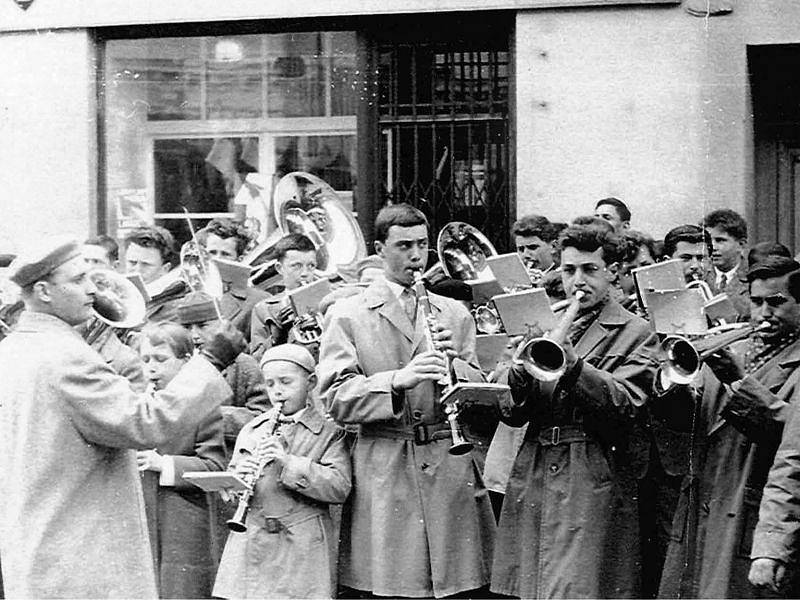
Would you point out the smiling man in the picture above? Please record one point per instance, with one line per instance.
(568, 526)
(418, 522)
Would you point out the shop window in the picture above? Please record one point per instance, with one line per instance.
(190, 121)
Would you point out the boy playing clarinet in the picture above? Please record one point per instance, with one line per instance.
(300, 464)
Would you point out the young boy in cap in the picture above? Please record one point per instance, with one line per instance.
(288, 549)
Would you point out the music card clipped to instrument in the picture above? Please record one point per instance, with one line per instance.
(214, 481)
(306, 298)
(483, 290)
(490, 349)
(519, 311)
(509, 271)
(667, 275)
(677, 311)
(235, 275)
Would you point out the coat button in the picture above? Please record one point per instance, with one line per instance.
(554, 468)
(424, 466)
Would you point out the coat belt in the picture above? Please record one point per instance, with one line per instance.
(561, 434)
(419, 433)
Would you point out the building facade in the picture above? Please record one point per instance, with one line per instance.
(112, 112)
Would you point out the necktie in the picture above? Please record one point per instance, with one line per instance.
(723, 281)
(409, 301)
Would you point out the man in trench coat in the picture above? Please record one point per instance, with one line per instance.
(419, 522)
(72, 518)
(569, 526)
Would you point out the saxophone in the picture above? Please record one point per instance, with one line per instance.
(237, 522)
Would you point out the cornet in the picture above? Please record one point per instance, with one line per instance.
(685, 357)
(544, 357)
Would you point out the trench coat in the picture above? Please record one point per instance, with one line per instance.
(72, 521)
(289, 550)
(178, 516)
(569, 526)
(123, 359)
(236, 305)
(419, 521)
(736, 436)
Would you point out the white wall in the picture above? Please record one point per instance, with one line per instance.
(47, 135)
(609, 103)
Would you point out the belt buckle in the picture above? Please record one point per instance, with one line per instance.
(555, 435)
(273, 525)
(422, 435)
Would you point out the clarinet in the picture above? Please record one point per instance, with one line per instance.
(237, 522)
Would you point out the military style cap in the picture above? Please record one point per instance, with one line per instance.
(292, 353)
(196, 307)
(36, 264)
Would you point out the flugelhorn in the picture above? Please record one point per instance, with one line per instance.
(544, 357)
(684, 357)
(460, 444)
(238, 522)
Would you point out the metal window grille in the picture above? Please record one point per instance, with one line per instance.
(443, 117)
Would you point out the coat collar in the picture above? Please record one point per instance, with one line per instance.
(380, 297)
(31, 321)
(611, 317)
(310, 419)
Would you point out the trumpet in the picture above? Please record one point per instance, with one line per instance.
(460, 444)
(544, 357)
(685, 357)
(237, 522)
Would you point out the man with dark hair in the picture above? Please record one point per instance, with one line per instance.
(273, 317)
(762, 250)
(692, 245)
(746, 394)
(226, 239)
(150, 253)
(568, 526)
(728, 231)
(534, 237)
(418, 522)
(101, 251)
(615, 211)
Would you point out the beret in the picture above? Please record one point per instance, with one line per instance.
(292, 353)
(46, 258)
(196, 307)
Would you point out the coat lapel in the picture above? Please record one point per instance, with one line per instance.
(380, 297)
(420, 336)
(610, 318)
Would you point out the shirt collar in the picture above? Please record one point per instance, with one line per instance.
(729, 275)
(396, 288)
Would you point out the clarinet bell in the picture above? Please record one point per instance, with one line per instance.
(460, 445)
(237, 522)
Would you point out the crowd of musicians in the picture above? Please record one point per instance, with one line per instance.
(611, 479)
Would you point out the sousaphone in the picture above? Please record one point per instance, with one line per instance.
(304, 203)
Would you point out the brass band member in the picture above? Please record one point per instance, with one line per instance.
(150, 252)
(419, 522)
(616, 212)
(535, 237)
(568, 525)
(692, 246)
(227, 240)
(273, 317)
(71, 508)
(747, 395)
(728, 231)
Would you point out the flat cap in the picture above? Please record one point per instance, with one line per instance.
(196, 307)
(37, 263)
(292, 353)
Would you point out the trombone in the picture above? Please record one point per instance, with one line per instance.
(544, 357)
(685, 357)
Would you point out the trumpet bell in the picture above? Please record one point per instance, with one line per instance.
(486, 320)
(683, 360)
(117, 301)
(543, 359)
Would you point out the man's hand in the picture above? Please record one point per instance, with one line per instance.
(443, 339)
(149, 460)
(223, 345)
(286, 315)
(726, 366)
(767, 573)
(428, 366)
(245, 467)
